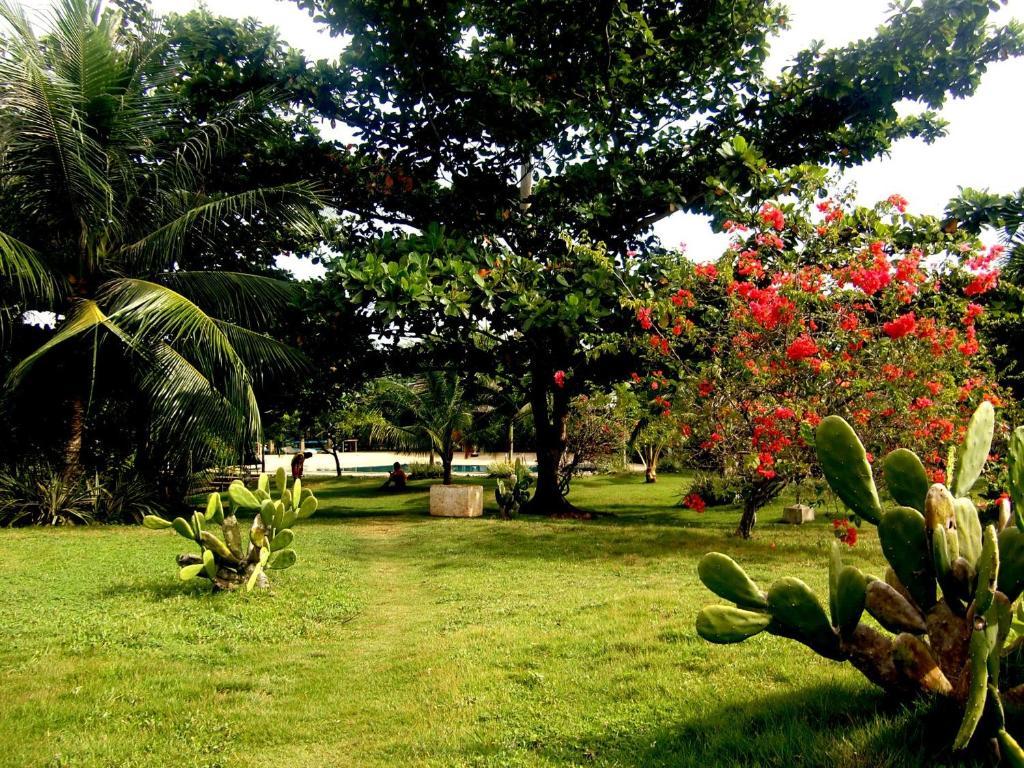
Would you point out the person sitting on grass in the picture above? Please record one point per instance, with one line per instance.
(397, 477)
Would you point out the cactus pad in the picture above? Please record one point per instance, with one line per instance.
(798, 614)
(727, 624)
(905, 544)
(725, 578)
(845, 465)
(975, 448)
(906, 479)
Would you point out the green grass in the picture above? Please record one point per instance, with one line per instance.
(400, 639)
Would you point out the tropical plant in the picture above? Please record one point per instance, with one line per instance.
(96, 209)
(228, 562)
(125, 497)
(38, 494)
(430, 411)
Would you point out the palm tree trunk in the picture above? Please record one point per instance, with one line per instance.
(446, 463)
(76, 431)
(511, 440)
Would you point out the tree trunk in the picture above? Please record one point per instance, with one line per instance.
(76, 431)
(746, 527)
(511, 440)
(431, 459)
(337, 461)
(651, 473)
(446, 463)
(550, 422)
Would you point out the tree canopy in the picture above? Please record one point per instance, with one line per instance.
(491, 130)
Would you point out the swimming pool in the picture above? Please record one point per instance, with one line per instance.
(459, 469)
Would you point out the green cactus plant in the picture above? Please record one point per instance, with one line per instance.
(949, 596)
(223, 560)
(513, 493)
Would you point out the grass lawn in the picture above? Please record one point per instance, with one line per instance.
(399, 639)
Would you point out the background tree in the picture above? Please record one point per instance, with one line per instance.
(1003, 323)
(430, 411)
(511, 123)
(96, 207)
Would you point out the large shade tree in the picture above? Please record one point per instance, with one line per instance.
(512, 123)
(99, 205)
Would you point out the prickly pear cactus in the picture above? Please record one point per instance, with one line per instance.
(948, 597)
(224, 560)
(515, 492)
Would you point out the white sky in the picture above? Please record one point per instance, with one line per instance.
(982, 148)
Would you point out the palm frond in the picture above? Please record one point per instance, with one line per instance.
(247, 298)
(86, 316)
(190, 411)
(293, 205)
(259, 351)
(25, 269)
(44, 111)
(155, 312)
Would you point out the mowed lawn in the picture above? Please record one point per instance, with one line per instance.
(399, 639)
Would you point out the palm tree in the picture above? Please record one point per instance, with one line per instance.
(430, 410)
(497, 399)
(96, 205)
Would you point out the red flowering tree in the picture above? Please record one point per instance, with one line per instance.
(819, 308)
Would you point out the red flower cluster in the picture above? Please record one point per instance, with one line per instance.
(767, 306)
(707, 271)
(872, 279)
(643, 316)
(845, 531)
(559, 379)
(683, 298)
(773, 216)
(974, 311)
(803, 346)
(899, 202)
(695, 502)
(901, 326)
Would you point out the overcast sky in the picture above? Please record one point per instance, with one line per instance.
(982, 148)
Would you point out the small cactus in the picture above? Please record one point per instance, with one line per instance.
(515, 493)
(222, 560)
(948, 596)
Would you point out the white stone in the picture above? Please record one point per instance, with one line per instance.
(456, 500)
(797, 514)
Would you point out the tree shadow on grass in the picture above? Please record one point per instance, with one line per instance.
(816, 726)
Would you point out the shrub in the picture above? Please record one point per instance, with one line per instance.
(716, 490)
(125, 498)
(39, 494)
(501, 469)
(426, 471)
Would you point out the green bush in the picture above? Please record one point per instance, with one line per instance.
(501, 469)
(426, 471)
(125, 498)
(39, 494)
(715, 489)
